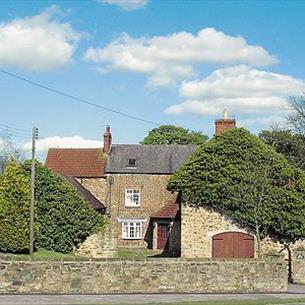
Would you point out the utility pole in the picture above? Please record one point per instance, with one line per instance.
(34, 138)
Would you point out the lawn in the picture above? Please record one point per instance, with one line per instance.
(42, 254)
(127, 253)
(123, 253)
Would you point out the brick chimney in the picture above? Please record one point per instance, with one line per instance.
(223, 124)
(107, 140)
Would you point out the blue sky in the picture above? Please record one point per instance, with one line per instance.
(170, 62)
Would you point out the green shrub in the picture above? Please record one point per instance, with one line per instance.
(14, 209)
(65, 219)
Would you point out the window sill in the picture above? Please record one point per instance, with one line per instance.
(126, 238)
(132, 206)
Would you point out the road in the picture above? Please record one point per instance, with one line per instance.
(295, 291)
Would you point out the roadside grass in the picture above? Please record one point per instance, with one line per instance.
(127, 253)
(271, 301)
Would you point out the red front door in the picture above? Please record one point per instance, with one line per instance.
(163, 234)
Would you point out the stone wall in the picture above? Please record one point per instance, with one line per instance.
(161, 275)
(153, 197)
(298, 265)
(100, 245)
(199, 225)
(111, 191)
(97, 186)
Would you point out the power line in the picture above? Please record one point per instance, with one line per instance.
(5, 132)
(14, 126)
(10, 129)
(80, 100)
(10, 136)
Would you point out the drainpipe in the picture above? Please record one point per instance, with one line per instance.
(110, 181)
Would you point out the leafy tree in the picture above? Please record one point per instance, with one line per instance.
(244, 178)
(292, 145)
(254, 192)
(14, 209)
(169, 134)
(65, 219)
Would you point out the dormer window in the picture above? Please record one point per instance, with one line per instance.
(132, 163)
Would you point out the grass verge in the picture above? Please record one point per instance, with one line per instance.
(269, 301)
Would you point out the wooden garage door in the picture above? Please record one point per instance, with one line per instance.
(233, 245)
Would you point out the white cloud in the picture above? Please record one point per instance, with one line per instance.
(262, 122)
(127, 5)
(40, 42)
(64, 142)
(172, 58)
(239, 88)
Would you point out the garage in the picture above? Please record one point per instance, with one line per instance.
(233, 245)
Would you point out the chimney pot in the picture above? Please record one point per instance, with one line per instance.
(225, 113)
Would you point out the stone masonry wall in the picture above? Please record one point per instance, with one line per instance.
(142, 276)
(100, 245)
(97, 186)
(153, 197)
(199, 225)
(298, 265)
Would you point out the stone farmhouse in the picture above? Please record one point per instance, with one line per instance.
(128, 184)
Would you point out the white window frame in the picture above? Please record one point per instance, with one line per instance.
(130, 196)
(132, 229)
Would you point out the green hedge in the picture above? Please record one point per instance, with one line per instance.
(14, 209)
(65, 219)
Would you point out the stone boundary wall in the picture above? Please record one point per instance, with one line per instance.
(157, 275)
(298, 266)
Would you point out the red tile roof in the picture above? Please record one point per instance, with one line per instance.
(170, 210)
(81, 163)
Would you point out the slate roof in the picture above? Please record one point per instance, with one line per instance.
(150, 159)
(80, 162)
(88, 196)
(170, 210)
